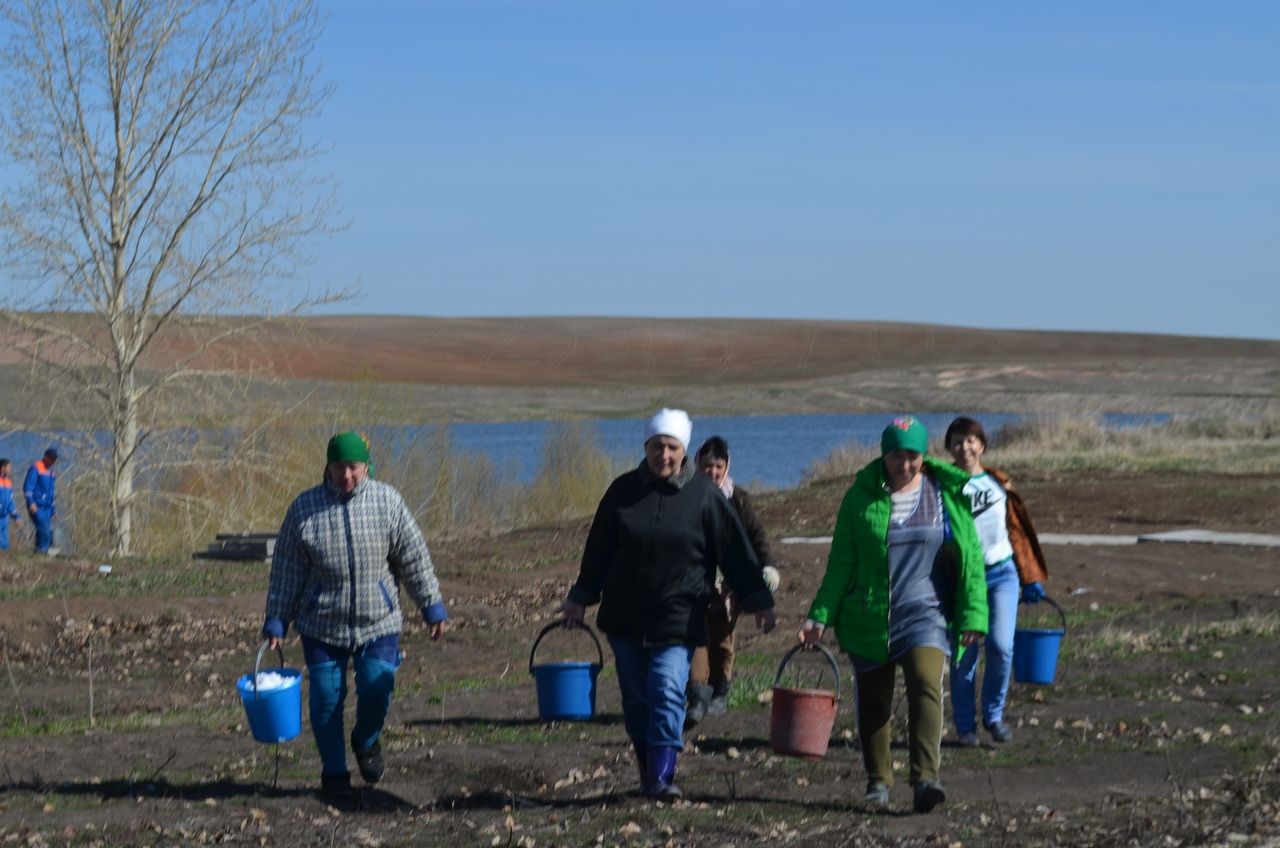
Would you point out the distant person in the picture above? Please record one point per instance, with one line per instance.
(1011, 552)
(711, 671)
(8, 509)
(40, 489)
(903, 586)
(343, 552)
(659, 534)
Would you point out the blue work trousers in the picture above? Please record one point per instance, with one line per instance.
(1002, 606)
(652, 680)
(375, 681)
(42, 519)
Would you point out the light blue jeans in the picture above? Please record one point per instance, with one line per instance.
(652, 681)
(1002, 604)
(375, 681)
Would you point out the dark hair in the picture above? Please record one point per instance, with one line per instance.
(4, 461)
(965, 426)
(714, 447)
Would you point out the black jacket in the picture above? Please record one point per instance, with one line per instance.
(652, 553)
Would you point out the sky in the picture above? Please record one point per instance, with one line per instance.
(1083, 165)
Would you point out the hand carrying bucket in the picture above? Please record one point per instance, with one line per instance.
(275, 715)
(566, 690)
(801, 720)
(1035, 650)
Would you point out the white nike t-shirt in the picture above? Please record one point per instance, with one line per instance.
(990, 504)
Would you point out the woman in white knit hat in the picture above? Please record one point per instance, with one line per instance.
(650, 561)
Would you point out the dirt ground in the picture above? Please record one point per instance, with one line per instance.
(1161, 728)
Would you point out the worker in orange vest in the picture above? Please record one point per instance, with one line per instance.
(8, 509)
(40, 488)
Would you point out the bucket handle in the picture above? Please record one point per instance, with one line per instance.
(257, 664)
(1062, 615)
(826, 652)
(560, 624)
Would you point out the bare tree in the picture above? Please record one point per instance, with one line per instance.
(160, 188)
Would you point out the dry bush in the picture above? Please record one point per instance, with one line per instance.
(574, 474)
(243, 479)
(1054, 432)
(844, 461)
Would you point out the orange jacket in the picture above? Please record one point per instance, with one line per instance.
(1027, 555)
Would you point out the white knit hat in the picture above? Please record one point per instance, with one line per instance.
(670, 422)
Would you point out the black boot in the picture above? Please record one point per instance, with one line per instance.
(661, 774)
(370, 761)
(642, 760)
(695, 710)
(336, 788)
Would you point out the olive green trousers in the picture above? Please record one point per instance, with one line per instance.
(922, 670)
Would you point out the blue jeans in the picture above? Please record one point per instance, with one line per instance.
(652, 681)
(1002, 603)
(375, 681)
(42, 518)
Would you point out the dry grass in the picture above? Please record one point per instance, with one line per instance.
(243, 480)
(1080, 441)
(1113, 639)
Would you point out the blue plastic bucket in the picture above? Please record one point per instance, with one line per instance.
(275, 715)
(566, 690)
(1035, 651)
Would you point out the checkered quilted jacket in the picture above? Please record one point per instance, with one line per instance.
(339, 562)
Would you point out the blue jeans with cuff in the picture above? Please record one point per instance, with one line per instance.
(1002, 603)
(652, 680)
(375, 664)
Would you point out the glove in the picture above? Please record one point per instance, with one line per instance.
(771, 577)
(1032, 593)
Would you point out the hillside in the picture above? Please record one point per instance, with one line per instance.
(490, 369)
(607, 351)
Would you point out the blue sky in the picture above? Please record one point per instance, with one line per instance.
(1082, 165)
(1105, 166)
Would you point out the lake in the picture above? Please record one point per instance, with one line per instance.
(769, 451)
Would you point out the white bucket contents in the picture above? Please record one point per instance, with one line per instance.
(269, 680)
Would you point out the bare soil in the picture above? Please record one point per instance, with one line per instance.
(413, 370)
(1160, 730)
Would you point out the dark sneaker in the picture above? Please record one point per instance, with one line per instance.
(336, 787)
(926, 795)
(719, 700)
(877, 795)
(699, 698)
(1000, 732)
(968, 740)
(370, 762)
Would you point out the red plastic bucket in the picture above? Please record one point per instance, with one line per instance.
(801, 720)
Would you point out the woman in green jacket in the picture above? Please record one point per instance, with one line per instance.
(904, 586)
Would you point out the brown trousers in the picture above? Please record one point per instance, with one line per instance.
(714, 663)
(922, 670)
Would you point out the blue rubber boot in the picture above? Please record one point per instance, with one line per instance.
(662, 774)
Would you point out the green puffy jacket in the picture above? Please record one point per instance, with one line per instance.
(854, 596)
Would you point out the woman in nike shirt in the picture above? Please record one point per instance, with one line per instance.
(1013, 558)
